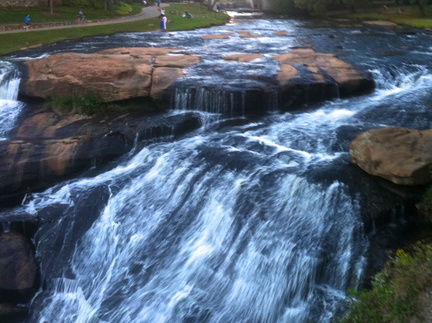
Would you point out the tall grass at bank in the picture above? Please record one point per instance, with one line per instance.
(401, 292)
(201, 18)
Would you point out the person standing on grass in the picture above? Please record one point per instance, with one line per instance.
(163, 22)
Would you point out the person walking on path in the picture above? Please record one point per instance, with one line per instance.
(147, 12)
(80, 16)
(158, 2)
(163, 21)
(27, 21)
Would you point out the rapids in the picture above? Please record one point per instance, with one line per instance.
(224, 224)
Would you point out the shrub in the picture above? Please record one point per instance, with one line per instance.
(396, 291)
(425, 205)
(123, 9)
(89, 104)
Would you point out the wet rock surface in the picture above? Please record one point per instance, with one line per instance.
(47, 148)
(18, 269)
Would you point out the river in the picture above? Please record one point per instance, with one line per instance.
(236, 221)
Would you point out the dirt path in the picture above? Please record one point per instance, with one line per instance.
(147, 12)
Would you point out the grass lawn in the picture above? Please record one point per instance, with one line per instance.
(15, 15)
(201, 18)
(409, 16)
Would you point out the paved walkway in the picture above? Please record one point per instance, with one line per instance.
(147, 12)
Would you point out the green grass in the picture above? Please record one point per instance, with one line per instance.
(16, 15)
(201, 18)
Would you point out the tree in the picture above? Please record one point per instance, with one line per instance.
(313, 6)
(421, 6)
(211, 4)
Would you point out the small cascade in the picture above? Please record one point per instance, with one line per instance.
(9, 106)
(229, 103)
(9, 81)
(209, 100)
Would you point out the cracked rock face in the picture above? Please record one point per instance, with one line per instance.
(116, 74)
(125, 73)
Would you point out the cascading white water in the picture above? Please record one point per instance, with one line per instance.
(9, 106)
(225, 225)
(9, 81)
(215, 228)
(232, 246)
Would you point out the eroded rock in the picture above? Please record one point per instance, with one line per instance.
(114, 74)
(243, 57)
(18, 269)
(324, 67)
(402, 156)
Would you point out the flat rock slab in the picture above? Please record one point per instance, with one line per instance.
(379, 23)
(125, 73)
(115, 74)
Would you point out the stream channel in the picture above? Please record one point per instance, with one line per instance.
(247, 219)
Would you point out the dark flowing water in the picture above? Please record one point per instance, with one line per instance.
(224, 224)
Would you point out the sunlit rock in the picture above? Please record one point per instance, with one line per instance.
(217, 36)
(243, 57)
(74, 74)
(115, 74)
(304, 76)
(324, 67)
(247, 34)
(400, 155)
(163, 77)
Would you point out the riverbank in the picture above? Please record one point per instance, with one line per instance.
(146, 21)
(399, 15)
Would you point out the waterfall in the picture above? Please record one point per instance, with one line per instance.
(247, 219)
(9, 81)
(210, 228)
(9, 106)
(215, 227)
(227, 102)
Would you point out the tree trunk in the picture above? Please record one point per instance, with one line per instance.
(422, 12)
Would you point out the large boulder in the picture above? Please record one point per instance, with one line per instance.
(115, 74)
(47, 148)
(402, 156)
(325, 69)
(125, 73)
